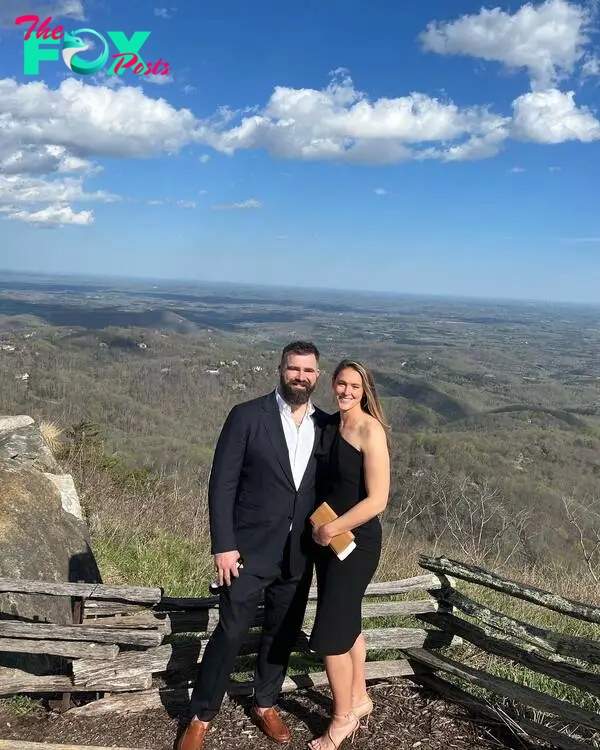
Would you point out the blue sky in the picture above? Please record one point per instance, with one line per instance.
(430, 147)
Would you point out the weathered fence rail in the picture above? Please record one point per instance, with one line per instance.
(133, 648)
(567, 658)
(83, 590)
(547, 599)
(129, 642)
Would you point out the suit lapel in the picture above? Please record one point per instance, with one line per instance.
(277, 436)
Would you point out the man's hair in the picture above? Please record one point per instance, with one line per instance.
(299, 347)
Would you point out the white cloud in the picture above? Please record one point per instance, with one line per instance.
(553, 117)
(158, 80)
(53, 215)
(555, 169)
(380, 191)
(102, 78)
(12, 9)
(171, 202)
(477, 146)
(340, 123)
(517, 170)
(92, 119)
(165, 13)
(34, 187)
(547, 39)
(579, 240)
(89, 40)
(39, 160)
(46, 134)
(251, 203)
(591, 67)
(23, 189)
(188, 88)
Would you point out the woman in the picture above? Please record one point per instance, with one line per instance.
(354, 478)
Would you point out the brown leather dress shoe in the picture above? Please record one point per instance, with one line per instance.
(193, 737)
(272, 725)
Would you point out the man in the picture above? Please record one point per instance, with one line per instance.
(261, 492)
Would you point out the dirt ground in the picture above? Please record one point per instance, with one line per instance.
(405, 717)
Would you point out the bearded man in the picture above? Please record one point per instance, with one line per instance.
(261, 493)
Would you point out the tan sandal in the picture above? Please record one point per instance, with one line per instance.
(363, 709)
(351, 719)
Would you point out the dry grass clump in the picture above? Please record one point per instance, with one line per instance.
(52, 433)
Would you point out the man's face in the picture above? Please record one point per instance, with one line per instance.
(298, 376)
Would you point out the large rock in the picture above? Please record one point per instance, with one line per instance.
(69, 497)
(26, 446)
(13, 423)
(43, 534)
(39, 541)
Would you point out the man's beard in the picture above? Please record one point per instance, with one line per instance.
(295, 396)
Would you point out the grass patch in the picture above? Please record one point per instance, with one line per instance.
(182, 567)
(21, 705)
(540, 617)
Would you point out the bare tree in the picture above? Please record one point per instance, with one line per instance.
(400, 515)
(478, 521)
(584, 517)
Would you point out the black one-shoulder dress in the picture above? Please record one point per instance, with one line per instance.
(341, 584)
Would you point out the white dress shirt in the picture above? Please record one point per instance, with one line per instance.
(300, 440)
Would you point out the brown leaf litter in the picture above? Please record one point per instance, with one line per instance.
(406, 717)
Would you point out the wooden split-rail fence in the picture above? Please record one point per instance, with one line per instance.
(126, 639)
(132, 649)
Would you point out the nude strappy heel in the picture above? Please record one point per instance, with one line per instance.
(351, 735)
(363, 710)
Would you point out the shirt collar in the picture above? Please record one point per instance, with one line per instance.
(285, 407)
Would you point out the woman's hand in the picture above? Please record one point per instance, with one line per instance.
(321, 535)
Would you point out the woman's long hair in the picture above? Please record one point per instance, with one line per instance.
(370, 402)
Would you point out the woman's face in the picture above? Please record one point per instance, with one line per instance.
(348, 389)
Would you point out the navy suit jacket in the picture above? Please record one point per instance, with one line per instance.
(251, 494)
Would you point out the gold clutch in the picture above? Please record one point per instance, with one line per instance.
(341, 544)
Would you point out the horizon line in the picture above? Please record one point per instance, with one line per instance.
(300, 287)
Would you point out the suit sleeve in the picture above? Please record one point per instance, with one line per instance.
(224, 478)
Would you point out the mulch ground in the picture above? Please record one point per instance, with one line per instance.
(405, 717)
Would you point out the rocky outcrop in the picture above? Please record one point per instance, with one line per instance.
(13, 423)
(43, 533)
(69, 498)
(26, 446)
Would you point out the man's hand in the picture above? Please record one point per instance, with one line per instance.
(226, 566)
